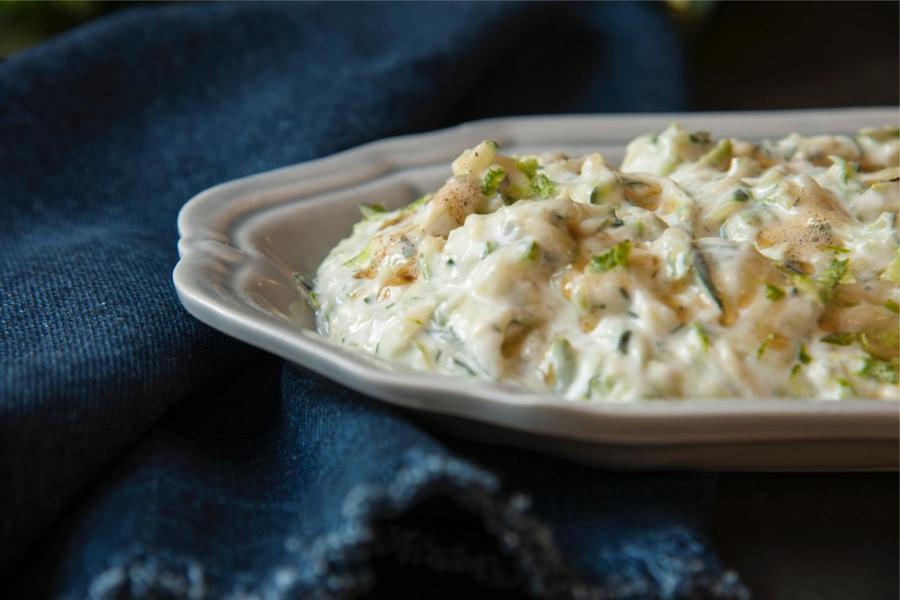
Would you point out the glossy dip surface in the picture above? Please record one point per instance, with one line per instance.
(700, 267)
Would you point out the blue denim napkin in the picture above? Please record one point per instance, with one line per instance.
(143, 454)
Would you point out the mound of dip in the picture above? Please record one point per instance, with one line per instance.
(700, 267)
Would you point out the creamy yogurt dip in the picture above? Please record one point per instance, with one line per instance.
(700, 268)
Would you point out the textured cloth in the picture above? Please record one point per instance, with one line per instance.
(143, 454)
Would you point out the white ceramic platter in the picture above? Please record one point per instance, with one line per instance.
(242, 243)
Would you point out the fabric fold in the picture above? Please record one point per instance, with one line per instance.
(284, 491)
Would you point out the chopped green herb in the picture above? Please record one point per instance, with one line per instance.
(840, 339)
(488, 248)
(542, 186)
(740, 195)
(701, 267)
(807, 286)
(803, 356)
(699, 137)
(879, 370)
(830, 277)
(795, 370)
(773, 292)
(493, 144)
(528, 165)
(623, 342)
(762, 347)
(533, 252)
(892, 306)
(617, 256)
(313, 300)
(703, 335)
(451, 262)
(491, 180)
(370, 210)
(463, 366)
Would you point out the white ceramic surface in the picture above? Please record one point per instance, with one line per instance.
(243, 241)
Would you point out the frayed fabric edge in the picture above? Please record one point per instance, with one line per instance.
(336, 565)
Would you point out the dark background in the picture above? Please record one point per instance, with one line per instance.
(743, 55)
(761, 55)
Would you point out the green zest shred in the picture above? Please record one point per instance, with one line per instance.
(773, 292)
(532, 253)
(491, 180)
(803, 356)
(892, 306)
(617, 256)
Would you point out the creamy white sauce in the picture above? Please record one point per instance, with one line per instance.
(700, 268)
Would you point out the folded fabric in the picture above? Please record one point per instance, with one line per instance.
(143, 454)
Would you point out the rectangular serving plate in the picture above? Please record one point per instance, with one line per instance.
(243, 242)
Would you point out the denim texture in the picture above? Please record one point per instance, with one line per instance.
(143, 454)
